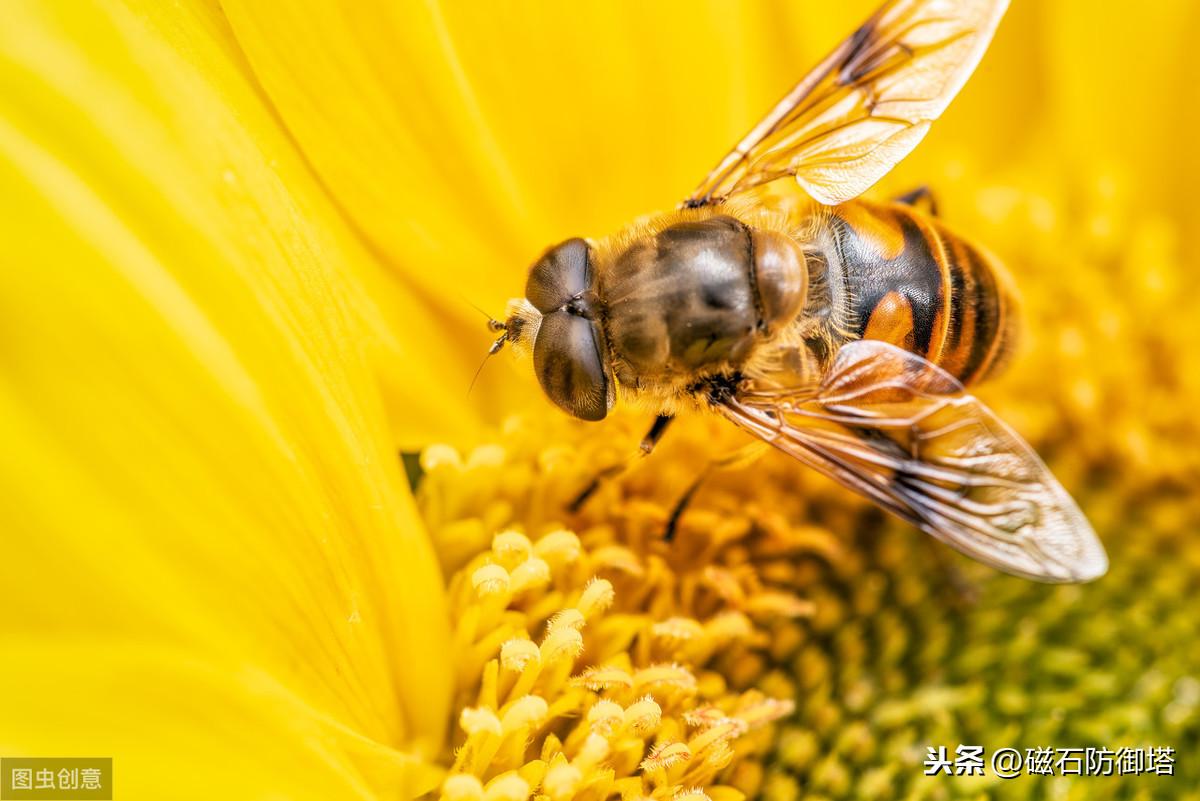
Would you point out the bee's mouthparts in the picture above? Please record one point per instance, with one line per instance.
(502, 329)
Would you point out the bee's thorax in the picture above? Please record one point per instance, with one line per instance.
(696, 296)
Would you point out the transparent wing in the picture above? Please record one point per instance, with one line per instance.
(904, 433)
(866, 105)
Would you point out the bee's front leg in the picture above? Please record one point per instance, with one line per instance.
(652, 438)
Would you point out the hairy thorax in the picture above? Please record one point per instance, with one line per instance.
(696, 294)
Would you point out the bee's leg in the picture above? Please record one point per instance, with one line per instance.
(920, 197)
(739, 458)
(657, 429)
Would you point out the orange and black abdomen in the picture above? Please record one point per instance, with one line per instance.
(913, 283)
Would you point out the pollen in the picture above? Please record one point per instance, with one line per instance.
(491, 580)
(516, 655)
(666, 755)
(511, 548)
(579, 686)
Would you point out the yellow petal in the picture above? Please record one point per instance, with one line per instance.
(200, 489)
(219, 729)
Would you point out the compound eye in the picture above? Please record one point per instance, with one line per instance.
(570, 365)
(562, 273)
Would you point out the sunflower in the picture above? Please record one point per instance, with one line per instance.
(262, 542)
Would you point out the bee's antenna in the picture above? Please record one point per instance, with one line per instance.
(493, 323)
(492, 351)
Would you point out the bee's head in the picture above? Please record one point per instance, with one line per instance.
(557, 320)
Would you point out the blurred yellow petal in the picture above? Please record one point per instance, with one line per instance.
(200, 487)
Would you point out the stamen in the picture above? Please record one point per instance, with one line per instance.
(533, 572)
(462, 787)
(597, 597)
(490, 580)
(516, 655)
(511, 547)
(524, 713)
(507, 787)
(635, 698)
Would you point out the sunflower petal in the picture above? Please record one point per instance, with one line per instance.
(226, 729)
(199, 478)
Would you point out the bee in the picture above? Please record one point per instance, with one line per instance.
(841, 331)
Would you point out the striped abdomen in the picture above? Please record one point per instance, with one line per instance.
(914, 284)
